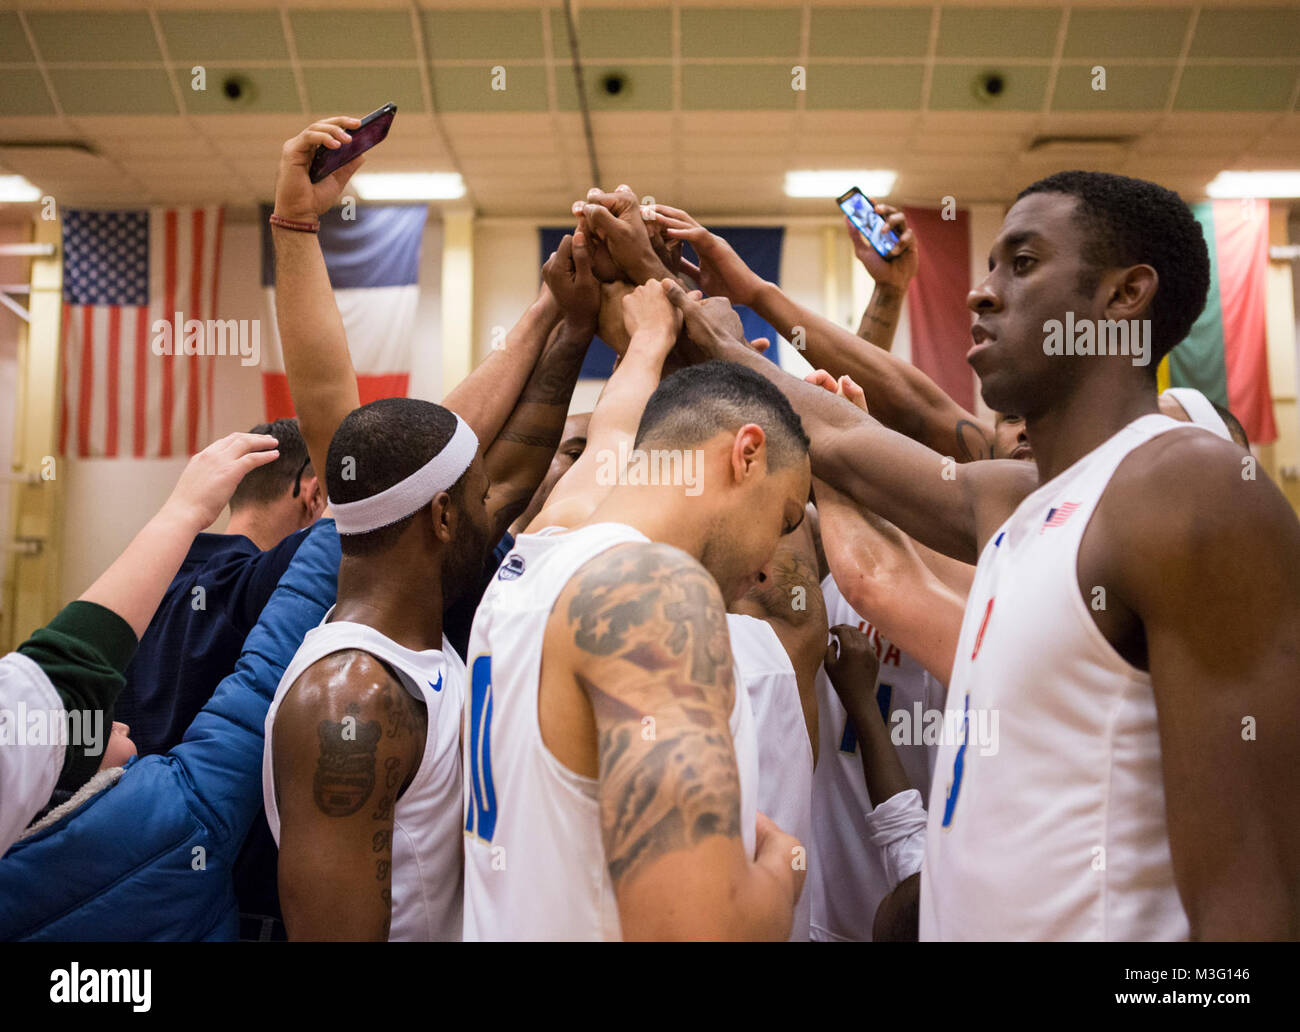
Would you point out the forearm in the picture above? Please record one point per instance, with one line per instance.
(880, 320)
(317, 362)
(876, 468)
(881, 766)
(134, 585)
(898, 394)
(883, 577)
(618, 412)
(486, 397)
(518, 459)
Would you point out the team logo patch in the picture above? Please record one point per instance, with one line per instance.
(512, 568)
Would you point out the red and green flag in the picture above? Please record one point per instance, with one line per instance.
(1225, 356)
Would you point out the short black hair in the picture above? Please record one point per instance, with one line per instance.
(1235, 429)
(1130, 221)
(379, 445)
(694, 403)
(268, 483)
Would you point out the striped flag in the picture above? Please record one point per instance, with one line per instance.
(122, 272)
(1057, 515)
(374, 265)
(1225, 356)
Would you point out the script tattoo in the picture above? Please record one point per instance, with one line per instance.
(345, 773)
(658, 618)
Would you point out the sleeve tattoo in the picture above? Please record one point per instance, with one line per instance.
(655, 620)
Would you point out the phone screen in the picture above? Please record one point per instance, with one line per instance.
(858, 207)
(373, 129)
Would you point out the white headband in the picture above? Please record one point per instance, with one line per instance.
(1200, 410)
(412, 494)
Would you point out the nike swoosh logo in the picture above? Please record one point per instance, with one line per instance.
(436, 687)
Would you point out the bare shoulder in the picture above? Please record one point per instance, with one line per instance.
(994, 488)
(347, 684)
(645, 607)
(1187, 482)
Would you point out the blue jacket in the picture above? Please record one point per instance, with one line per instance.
(151, 856)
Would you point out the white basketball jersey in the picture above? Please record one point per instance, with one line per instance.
(785, 761)
(534, 858)
(426, 873)
(1054, 826)
(846, 873)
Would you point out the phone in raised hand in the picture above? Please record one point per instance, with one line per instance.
(372, 130)
(862, 212)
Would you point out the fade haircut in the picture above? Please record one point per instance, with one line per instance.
(694, 403)
(267, 484)
(387, 440)
(1129, 221)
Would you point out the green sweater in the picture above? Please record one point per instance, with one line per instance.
(83, 651)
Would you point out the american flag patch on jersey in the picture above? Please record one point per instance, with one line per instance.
(1057, 515)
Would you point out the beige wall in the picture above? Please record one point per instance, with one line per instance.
(108, 500)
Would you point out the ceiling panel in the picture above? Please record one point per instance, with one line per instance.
(223, 35)
(707, 110)
(997, 32)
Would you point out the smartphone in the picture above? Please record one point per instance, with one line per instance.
(860, 208)
(373, 129)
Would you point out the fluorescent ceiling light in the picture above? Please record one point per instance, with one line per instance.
(1255, 184)
(875, 183)
(16, 189)
(409, 186)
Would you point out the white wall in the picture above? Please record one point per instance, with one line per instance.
(12, 270)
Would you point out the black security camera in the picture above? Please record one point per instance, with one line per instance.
(613, 84)
(990, 86)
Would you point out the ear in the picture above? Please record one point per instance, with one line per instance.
(748, 448)
(444, 517)
(1130, 294)
(311, 497)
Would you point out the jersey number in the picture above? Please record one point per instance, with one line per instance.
(481, 814)
(958, 763)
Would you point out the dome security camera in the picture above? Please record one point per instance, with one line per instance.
(613, 84)
(989, 86)
(238, 90)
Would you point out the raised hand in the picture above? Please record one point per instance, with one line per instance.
(899, 270)
(721, 271)
(710, 322)
(296, 196)
(647, 311)
(211, 476)
(616, 220)
(568, 276)
(852, 665)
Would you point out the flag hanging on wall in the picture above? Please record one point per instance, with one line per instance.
(936, 302)
(374, 264)
(132, 280)
(1225, 356)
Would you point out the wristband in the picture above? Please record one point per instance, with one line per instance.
(301, 227)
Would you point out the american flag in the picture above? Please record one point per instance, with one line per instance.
(122, 271)
(1058, 515)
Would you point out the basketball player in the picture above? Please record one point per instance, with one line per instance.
(361, 773)
(777, 630)
(610, 758)
(1135, 619)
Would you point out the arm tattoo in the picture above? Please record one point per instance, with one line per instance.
(556, 372)
(345, 773)
(549, 441)
(626, 591)
(656, 620)
(681, 790)
(971, 441)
